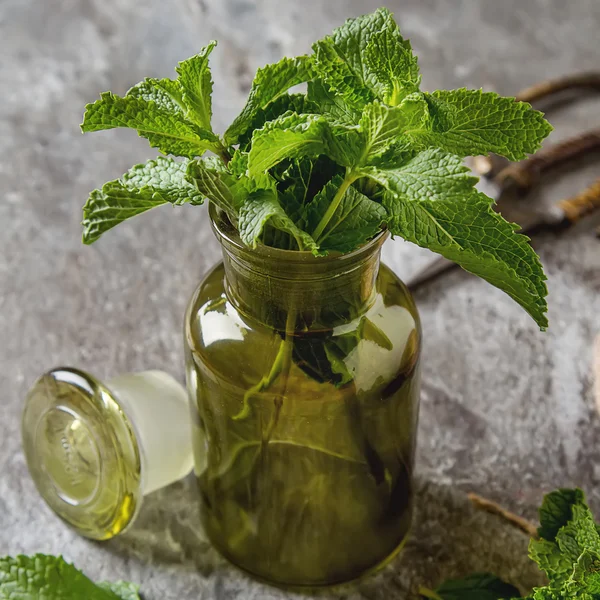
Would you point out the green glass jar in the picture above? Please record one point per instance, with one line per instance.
(303, 375)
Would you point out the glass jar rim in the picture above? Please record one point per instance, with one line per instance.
(228, 236)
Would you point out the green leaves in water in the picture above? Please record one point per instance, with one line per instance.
(396, 152)
(323, 356)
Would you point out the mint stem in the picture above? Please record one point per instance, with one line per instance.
(281, 366)
(349, 179)
(224, 155)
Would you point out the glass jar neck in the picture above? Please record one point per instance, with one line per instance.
(269, 284)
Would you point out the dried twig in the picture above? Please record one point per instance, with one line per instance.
(543, 89)
(489, 506)
(525, 174)
(583, 204)
(490, 166)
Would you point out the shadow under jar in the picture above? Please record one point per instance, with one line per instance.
(303, 375)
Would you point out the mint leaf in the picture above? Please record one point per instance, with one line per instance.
(430, 175)
(393, 68)
(339, 75)
(228, 190)
(143, 187)
(468, 232)
(340, 59)
(297, 103)
(122, 589)
(382, 127)
(345, 145)
(238, 165)
(557, 510)
(167, 94)
(570, 556)
(329, 103)
(289, 136)
(578, 534)
(163, 128)
(356, 219)
(305, 176)
(299, 181)
(433, 204)
(550, 559)
(262, 207)
(471, 122)
(269, 84)
(196, 81)
(480, 586)
(214, 181)
(43, 577)
(584, 582)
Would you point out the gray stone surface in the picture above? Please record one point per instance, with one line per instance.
(507, 411)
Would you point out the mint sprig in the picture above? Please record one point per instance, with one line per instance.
(45, 577)
(568, 551)
(396, 154)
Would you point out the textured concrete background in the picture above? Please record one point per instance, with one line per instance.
(507, 411)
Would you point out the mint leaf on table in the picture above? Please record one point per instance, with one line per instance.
(262, 207)
(557, 510)
(165, 129)
(122, 589)
(569, 544)
(196, 81)
(270, 82)
(480, 586)
(143, 187)
(568, 551)
(356, 219)
(43, 577)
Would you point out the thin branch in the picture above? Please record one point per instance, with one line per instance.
(489, 506)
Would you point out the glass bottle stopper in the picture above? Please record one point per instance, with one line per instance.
(95, 449)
